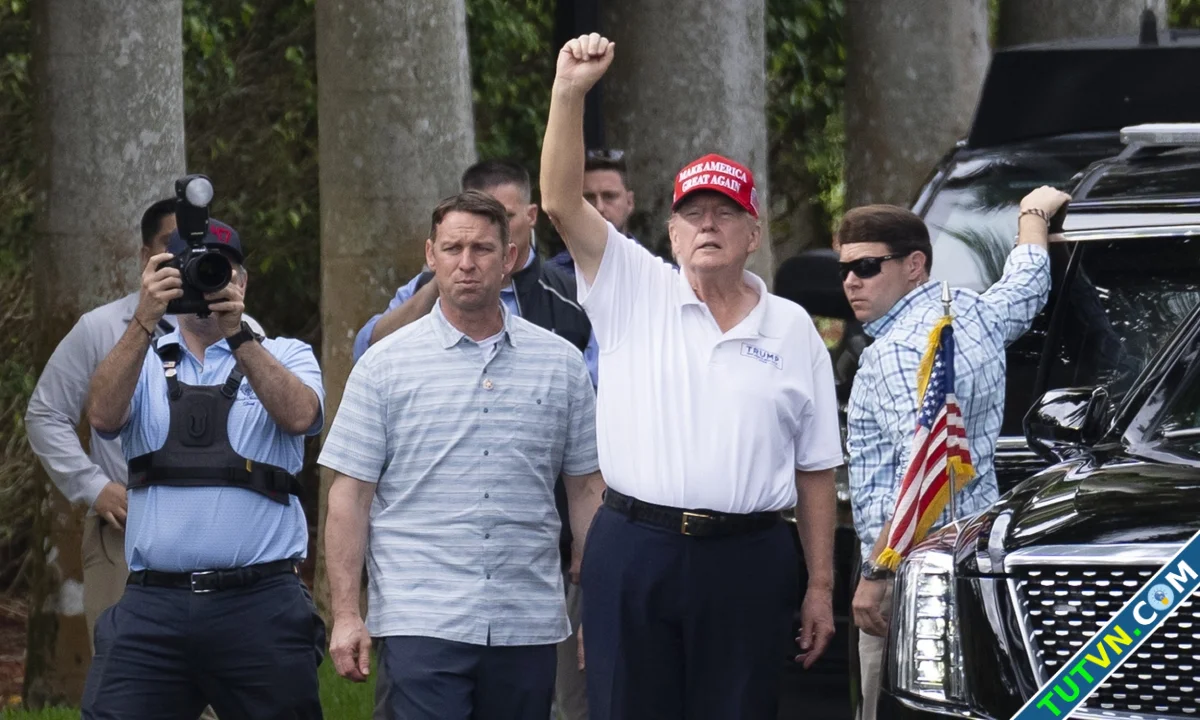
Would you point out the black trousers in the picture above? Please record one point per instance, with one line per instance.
(679, 627)
(251, 653)
(432, 679)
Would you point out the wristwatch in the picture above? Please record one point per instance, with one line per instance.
(241, 336)
(871, 571)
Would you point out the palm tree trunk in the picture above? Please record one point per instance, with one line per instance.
(396, 132)
(689, 79)
(109, 132)
(914, 69)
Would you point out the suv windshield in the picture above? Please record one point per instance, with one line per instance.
(972, 218)
(1124, 300)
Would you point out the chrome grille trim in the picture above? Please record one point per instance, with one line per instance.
(1125, 554)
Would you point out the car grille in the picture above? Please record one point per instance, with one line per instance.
(1065, 606)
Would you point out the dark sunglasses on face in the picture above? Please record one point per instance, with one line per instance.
(612, 155)
(606, 160)
(867, 267)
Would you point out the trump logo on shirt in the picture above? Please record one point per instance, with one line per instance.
(753, 351)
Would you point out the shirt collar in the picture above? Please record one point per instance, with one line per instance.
(449, 336)
(758, 322)
(879, 326)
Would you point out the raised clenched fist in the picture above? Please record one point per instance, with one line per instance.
(584, 60)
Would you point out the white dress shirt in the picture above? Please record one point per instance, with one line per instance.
(691, 417)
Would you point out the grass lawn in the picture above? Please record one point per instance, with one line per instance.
(340, 699)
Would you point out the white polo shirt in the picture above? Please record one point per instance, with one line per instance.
(692, 418)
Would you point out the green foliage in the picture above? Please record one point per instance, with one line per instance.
(1183, 14)
(806, 59)
(251, 117)
(512, 66)
(58, 713)
(341, 698)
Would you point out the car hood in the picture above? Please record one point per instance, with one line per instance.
(1122, 502)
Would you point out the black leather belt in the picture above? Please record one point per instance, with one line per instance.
(206, 581)
(700, 523)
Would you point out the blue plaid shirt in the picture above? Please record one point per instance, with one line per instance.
(882, 414)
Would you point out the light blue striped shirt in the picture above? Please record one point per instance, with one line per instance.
(466, 447)
(882, 413)
(184, 529)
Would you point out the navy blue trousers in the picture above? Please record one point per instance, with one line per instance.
(679, 627)
(432, 679)
(251, 653)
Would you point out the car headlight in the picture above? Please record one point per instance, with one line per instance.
(926, 653)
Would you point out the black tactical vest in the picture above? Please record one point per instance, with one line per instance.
(197, 452)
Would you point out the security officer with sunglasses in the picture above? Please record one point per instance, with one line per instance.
(885, 257)
(212, 419)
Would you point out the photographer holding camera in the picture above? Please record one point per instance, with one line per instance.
(212, 423)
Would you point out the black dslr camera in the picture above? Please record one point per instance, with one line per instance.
(203, 269)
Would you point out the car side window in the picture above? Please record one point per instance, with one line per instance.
(1123, 302)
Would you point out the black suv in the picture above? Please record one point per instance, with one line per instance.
(990, 607)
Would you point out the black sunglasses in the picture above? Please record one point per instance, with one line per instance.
(867, 267)
(606, 155)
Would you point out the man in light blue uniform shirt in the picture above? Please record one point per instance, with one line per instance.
(213, 424)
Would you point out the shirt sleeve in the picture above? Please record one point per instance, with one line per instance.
(896, 412)
(133, 434)
(298, 357)
(1021, 292)
(819, 443)
(54, 412)
(580, 455)
(627, 273)
(362, 341)
(356, 445)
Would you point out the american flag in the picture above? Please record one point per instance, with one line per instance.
(940, 444)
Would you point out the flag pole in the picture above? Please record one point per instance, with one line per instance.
(946, 298)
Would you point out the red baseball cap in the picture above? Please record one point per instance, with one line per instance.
(719, 174)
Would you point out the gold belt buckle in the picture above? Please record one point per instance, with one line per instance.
(683, 525)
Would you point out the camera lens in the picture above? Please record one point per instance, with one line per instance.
(209, 272)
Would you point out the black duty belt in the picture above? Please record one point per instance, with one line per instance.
(701, 523)
(206, 581)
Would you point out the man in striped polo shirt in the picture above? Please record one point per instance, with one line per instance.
(449, 440)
